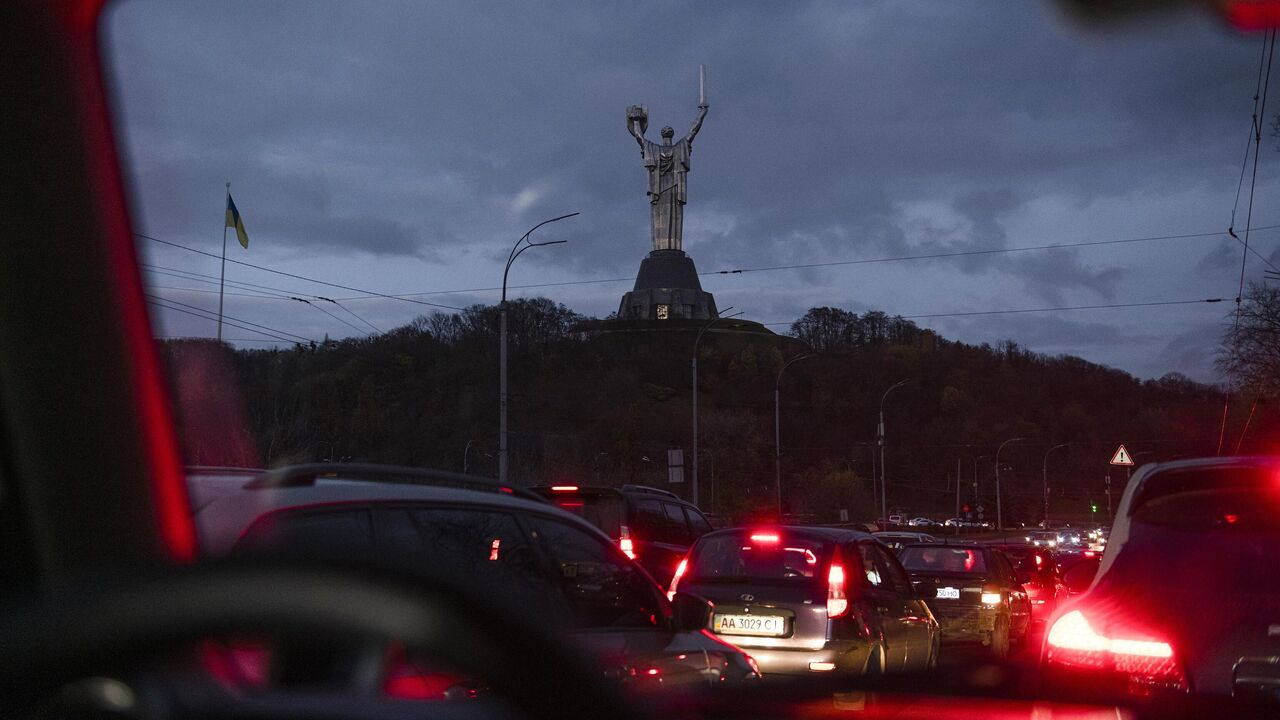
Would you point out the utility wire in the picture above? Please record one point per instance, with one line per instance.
(307, 302)
(1260, 111)
(349, 312)
(1044, 309)
(205, 315)
(244, 322)
(296, 276)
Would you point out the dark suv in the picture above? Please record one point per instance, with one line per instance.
(654, 527)
(533, 557)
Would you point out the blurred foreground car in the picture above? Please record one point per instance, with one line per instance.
(553, 565)
(973, 591)
(1187, 598)
(806, 600)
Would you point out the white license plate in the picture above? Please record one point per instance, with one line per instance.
(771, 625)
(948, 593)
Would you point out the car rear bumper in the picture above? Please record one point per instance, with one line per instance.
(848, 656)
(966, 623)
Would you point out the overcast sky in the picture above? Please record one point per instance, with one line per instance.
(403, 148)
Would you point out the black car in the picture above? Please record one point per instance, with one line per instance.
(539, 561)
(1187, 599)
(653, 526)
(973, 590)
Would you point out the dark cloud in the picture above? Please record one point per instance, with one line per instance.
(428, 136)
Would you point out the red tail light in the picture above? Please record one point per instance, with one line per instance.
(837, 601)
(764, 537)
(675, 579)
(1073, 641)
(626, 543)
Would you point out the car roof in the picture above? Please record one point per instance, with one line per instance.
(816, 531)
(223, 519)
(950, 546)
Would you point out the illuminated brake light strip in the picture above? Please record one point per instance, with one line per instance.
(564, 488)
(1073, 632)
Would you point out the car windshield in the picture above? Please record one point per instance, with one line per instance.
(759, 556)
(943, 559)
(814, 270)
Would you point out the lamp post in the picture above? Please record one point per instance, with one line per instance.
(521, 245)
(777, 428)
(884, 496)
(999, 510)
(1044, 474)
(696, 341)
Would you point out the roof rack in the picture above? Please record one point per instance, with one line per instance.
(651, 490)
(310, 473)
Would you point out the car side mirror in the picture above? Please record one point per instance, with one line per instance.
(692, 612)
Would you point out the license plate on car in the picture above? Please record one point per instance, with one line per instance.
(948, 593)
(771, 625)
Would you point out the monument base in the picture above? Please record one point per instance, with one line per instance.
(667, 288)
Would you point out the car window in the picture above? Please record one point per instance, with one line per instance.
(943, 559)
(471, 541)
(895, 578)
(698, 523)
(871, 566)
(677, 525)
(772, 557)
(327, 533)
(602, 587)
(651, 521)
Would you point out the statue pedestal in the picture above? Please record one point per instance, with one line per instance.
(667, 288)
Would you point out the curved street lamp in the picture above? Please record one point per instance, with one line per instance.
(884, 496)
(999, 511)
(521, 245)
(777, 427)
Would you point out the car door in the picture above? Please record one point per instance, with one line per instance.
(917, 622)
(887, 605)
(1019, 603)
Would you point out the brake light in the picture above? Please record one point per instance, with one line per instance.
(837, 602)
(564, 488)
(675, 579)
(1039, 561)
(1073, 641)
(764, 537)
(625, 542)
(992, 598)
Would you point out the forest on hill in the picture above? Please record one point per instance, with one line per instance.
(603, 407)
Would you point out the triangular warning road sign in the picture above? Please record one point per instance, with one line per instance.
(1121, 457)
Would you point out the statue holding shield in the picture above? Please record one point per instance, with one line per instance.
(667, 164)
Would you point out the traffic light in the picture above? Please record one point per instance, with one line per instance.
(1094, 507)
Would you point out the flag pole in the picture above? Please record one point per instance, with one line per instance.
(223, 277)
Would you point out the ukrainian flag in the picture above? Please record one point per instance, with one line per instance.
(234, 221)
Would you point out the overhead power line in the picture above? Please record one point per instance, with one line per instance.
(838, 263)
(228, 317)
(298, 277)
(1042, 309)
(205, 315)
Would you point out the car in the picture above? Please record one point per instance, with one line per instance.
(1038, 572)
(1043, 538)
(896, 520)
(921, 522)
(895, 539)
(811, 600)
(974, 592)
(548, 562)
(1070, 537)
(1186, 599)
(651, 525)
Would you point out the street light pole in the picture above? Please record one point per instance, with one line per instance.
(777, 428)
(884, 496)
(871, 450)
(999, 510)
(521, 245)
(696, 341)
(1044, 475)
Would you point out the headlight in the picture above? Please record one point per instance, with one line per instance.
(992, 598)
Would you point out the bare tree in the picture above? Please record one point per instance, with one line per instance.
(1250, 352)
